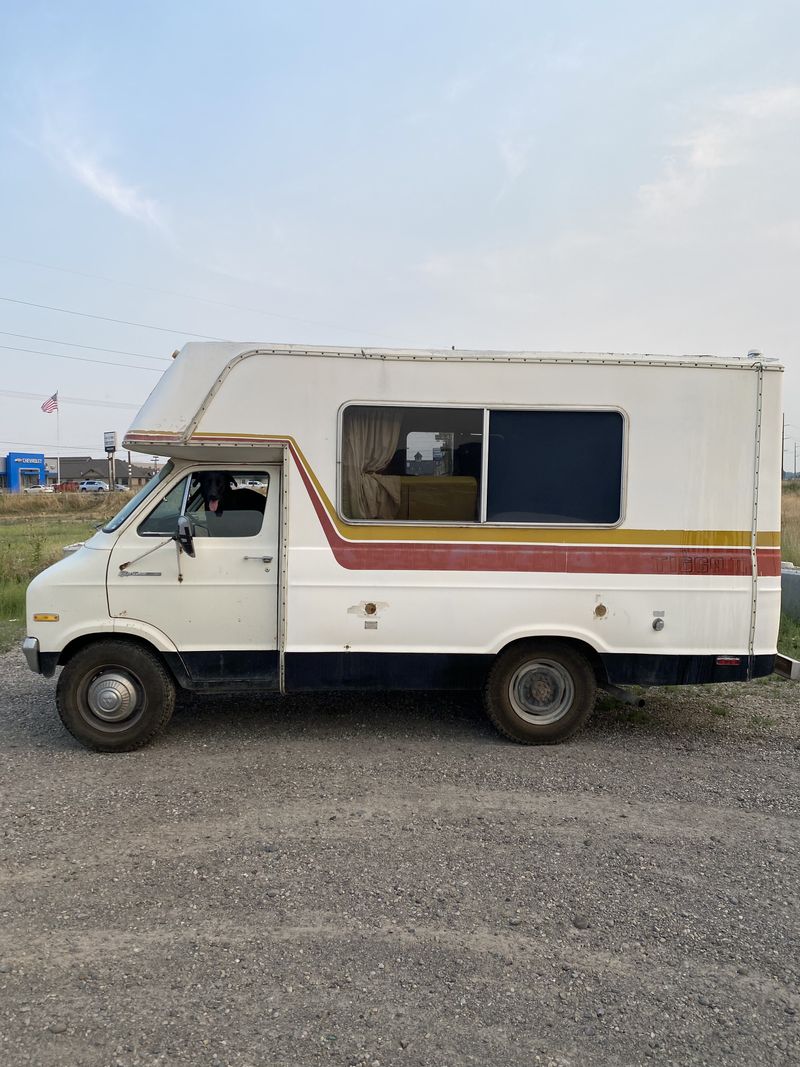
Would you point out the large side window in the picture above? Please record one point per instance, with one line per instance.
(411, 463)
(555, 467)
(220, 503)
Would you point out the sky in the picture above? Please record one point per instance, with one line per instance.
(579, 176)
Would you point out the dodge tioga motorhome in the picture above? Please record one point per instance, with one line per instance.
(533, 524)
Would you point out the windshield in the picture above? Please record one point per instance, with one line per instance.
(135, 501)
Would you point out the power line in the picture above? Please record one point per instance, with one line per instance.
(105, 318)
(68, 399)
(74, 344)
(41, 448)
(190, 296)
(81, 359)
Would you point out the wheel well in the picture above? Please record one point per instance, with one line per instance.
(90, 639)
(586, 650)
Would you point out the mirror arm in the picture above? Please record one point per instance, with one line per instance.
(130, 562)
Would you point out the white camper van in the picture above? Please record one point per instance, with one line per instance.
(535, 524)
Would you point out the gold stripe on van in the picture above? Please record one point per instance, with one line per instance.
(485, 533)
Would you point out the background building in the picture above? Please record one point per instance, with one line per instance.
(83, 468)
(21, 469)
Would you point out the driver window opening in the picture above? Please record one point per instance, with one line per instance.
(219, 503)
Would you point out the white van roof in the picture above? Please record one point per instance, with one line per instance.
(183, 394)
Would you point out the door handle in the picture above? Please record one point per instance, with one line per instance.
(262, 559)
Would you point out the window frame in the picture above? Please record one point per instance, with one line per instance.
(131, 506)
(486, 409)
(184, 476)
(397, 404)
(187, 474)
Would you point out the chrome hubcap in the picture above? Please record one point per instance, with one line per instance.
(112, 697)
(541, 691)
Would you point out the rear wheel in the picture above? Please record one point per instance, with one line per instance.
(540, 692)
(114, 696)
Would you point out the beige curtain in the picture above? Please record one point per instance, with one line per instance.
(370, 439)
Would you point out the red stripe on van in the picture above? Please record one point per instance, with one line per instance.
(558, 559)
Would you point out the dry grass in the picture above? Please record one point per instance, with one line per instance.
(27, 546)
(33, 532)
(53, 505)
(790, 522)
(789, 637)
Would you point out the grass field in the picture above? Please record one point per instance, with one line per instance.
(91, 506)
(790, 533)
(34, 530)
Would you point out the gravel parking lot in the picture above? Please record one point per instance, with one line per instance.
(361, 880)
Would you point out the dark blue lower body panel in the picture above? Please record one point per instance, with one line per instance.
(682, 670)
(306, 671)
(315, 671)
(225, 671)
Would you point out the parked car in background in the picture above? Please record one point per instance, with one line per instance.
(38, 489)
(93, 485)
(120, 488)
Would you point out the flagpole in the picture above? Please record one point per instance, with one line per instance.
(58, 442)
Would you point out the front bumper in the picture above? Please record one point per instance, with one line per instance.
(30, 650)
(39, 662)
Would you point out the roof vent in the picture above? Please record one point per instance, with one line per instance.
(754, 353)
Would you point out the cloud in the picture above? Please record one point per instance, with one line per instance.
(107, 186)
(765, 103)
(786, 232)
(459, 86)
(437, 266)
(680, 188)
(568, 243)
(71, 154)
(514, 155)
(729, 137)
(567, 59)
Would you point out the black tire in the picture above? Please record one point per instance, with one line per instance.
(114, 696)
(540, 692)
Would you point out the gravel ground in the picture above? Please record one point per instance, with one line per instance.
(361, 880)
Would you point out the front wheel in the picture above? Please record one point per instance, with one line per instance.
(114, 696)
(540, 692)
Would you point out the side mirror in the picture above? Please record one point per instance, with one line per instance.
(185, 535)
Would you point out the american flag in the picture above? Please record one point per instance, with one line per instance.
(51, 404)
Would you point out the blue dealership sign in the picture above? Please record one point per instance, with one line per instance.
(23, 469)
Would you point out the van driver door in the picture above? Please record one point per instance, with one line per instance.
(220, 605)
